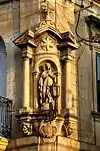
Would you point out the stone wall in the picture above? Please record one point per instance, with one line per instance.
(15, 19)
(18, 16)
(86, 82)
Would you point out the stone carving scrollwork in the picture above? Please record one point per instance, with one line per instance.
(48, 23)
(47, 130)
(27, 128)
(66, 130)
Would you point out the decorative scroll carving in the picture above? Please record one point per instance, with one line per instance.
(45, 87)
(46, 43)
(47, 23)
(44, 129)
(48, 130)
(26, 128)
(66, 130)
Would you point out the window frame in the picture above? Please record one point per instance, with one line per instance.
(98, 105)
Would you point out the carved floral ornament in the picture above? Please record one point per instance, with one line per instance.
(46, 43)
(46, 129)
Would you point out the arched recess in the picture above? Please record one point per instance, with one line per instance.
(49, 58)
(2, 67)
(55, 64)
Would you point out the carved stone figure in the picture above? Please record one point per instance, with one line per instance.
(46, 82)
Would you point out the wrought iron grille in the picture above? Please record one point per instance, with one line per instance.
(5, 117)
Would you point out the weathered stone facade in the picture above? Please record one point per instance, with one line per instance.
(51, 74)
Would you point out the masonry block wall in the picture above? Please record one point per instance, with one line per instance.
(18, 16)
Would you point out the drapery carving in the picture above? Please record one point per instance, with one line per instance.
(45, 87)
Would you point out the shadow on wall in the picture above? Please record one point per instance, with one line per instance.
(18, 89)
(2, 68)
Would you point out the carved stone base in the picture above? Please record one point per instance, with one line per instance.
(46, 125)
(47, 130)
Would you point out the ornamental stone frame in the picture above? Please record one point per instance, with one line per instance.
(47, 50)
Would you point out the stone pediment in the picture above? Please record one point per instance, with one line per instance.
(65, 39)
(68, 40)
(69, 37)
(26, 38)
(49, 30)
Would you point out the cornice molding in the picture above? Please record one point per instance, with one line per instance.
(93, 20)
(68, 40)
(25, 39)
(48, 29)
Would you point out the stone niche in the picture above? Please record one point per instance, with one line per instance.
(42, 113)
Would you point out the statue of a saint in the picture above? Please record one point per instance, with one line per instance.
(45, 86)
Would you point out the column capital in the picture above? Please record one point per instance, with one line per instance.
(67, 41)
(67, 57)
(26, 42)
(67, 45)
(27, 52)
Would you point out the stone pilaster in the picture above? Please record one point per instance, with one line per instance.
(67, 45)
(26, 43)
(68, 97)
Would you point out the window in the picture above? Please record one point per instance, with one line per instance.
(98, 80)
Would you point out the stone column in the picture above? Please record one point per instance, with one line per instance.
(68, 103)
(67, 45)
(26, 83)
(27, 55)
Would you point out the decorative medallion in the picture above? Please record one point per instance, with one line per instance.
(46, 43)
(47, 130)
